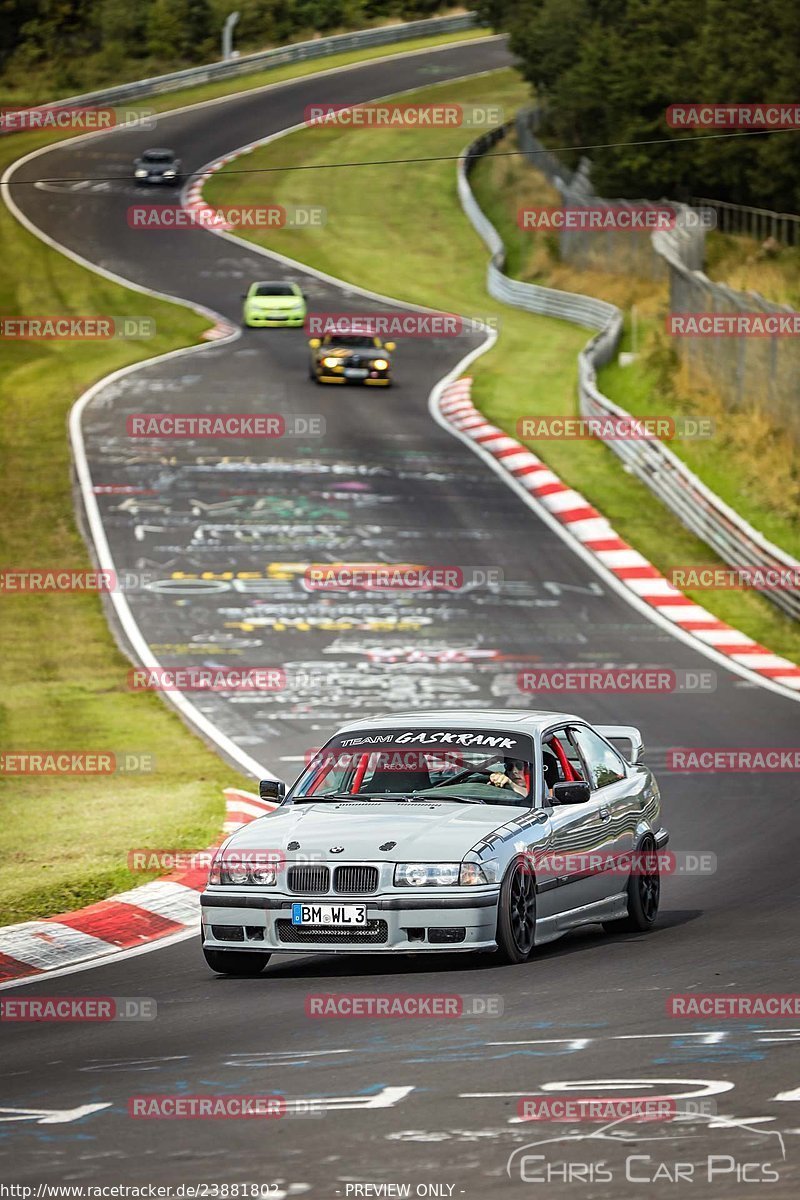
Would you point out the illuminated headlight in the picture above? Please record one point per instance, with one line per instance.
(426, 874)
(142, 173)
(330, 362)
(380, 364)
(169, 174)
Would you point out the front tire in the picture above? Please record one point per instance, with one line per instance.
(236, 962)
(516, 913)
(644, 894)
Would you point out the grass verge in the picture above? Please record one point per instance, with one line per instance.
(64, 842)
(750, 462)
(423, 250)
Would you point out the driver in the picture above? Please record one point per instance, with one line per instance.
(513, 774)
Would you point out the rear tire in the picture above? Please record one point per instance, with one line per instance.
(516, 913)
(644, 894)
(236, 962)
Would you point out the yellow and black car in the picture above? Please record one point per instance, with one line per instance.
(351, 358)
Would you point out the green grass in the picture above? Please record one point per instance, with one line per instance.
(37, 87)
(745, 264)
(423, 250)
(64, 842)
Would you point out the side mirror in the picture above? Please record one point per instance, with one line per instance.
(571, 793)
(272, 789)
(315, 343)
(389, 346)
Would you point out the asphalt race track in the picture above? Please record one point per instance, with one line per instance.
(419, 1102)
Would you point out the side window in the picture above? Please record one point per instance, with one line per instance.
(555, 748)
(603, 764)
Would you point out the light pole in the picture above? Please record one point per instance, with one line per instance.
(227, 35)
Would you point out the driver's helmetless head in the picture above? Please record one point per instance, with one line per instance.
(515, 769)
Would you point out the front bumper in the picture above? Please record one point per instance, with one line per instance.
(395, 923)
(274, 321)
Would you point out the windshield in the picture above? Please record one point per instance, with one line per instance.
(351, 339)
(274, 289)
(469, 766)
(158, 156)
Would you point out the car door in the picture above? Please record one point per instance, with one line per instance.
(615, 796)
(564, 880)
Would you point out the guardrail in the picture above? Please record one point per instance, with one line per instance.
(360, 39)
(700, 510)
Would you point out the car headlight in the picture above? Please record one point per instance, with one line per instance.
(380, 364)
(426, 874)
(222, 874)
(141, 172)
(265, 876)
(169, 174)
(330, 362)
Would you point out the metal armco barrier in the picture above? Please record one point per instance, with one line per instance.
(700, 510)
(750, 373)
(385, 35)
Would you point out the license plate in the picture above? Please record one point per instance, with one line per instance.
(356, 372)
(329, 914)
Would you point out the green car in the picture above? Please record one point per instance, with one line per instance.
(270, 304)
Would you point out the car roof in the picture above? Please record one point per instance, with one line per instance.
(158, 150)
(526, 720)
(273, 283)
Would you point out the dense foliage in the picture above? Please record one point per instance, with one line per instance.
(69, 45)
(606, 70)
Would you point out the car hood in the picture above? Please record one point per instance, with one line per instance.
(435, 832)
(156, 168)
